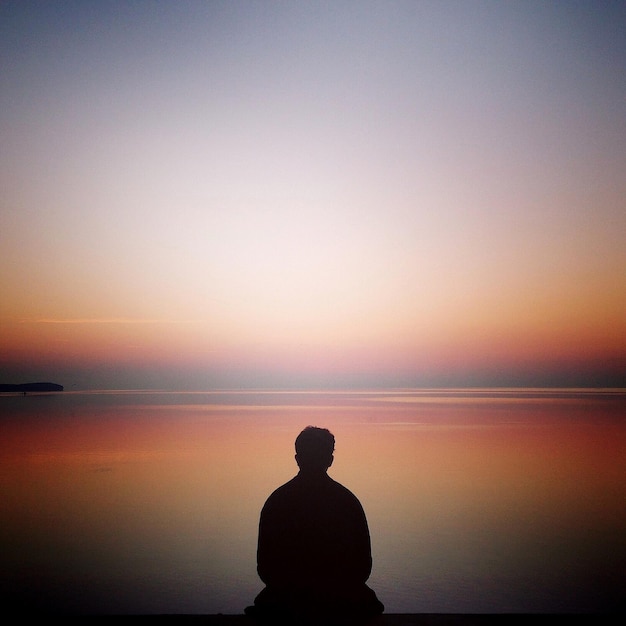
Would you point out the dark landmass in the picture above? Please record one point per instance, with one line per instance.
(24, 387)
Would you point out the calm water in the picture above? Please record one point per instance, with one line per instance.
(480, 501)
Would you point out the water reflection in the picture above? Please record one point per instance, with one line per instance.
(148, 503)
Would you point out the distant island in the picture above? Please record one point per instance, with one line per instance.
(24, 387)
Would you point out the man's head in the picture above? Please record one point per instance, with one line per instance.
(314, 449)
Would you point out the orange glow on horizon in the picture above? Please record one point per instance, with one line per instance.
(190, 346)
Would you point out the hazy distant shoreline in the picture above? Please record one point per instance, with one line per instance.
(24, 387)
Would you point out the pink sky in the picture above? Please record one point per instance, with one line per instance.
(307, 194)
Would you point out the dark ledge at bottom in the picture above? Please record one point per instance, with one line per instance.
(390, 619)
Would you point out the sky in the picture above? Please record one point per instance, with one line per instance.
(200, 195)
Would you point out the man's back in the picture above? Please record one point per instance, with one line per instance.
(313, 532)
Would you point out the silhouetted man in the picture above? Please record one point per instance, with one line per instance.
(314, 553)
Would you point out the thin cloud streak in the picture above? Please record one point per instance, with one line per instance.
(112, 320)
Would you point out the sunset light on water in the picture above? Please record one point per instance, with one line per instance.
(142, 502)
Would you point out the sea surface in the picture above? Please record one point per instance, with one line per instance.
(478, 501)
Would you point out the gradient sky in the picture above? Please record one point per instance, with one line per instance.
(234, 194)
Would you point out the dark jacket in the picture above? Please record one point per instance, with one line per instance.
(313, 534)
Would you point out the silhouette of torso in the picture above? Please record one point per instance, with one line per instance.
(313, 535)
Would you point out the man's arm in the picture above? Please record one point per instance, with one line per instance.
(363, 546)
(272, 551)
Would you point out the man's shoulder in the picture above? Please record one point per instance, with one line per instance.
(282, 491)
(342, 490)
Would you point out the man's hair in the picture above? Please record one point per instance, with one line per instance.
(315, 447)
